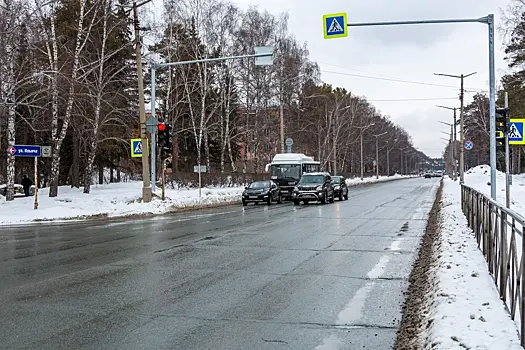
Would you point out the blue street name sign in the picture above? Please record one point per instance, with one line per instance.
(25, 150)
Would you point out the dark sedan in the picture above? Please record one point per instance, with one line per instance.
(261, 191)
(340, 187)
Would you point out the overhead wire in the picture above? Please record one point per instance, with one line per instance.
(386, 77)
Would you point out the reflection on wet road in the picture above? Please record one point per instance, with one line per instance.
(309, 277)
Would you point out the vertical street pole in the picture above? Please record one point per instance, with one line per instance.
(461, 136)
(377, 159)
(507, 157)
(361, 137)
(454, 150)
(164, 179)
(281, 115)
(146, 187)
(492, 110)
(36, 183)
(387, 160)
(153, 134)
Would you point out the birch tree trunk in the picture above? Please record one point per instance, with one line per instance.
(98, 106)
(58, 137)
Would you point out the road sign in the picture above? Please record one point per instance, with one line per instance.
(202, 169)
(516, 132)
(46, 151)
(334, 25)
(468, 145)
(151, 125)
(288, 142)
(266, 60)
(24, 150)
(136, 148)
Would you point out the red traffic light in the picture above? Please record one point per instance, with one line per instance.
(162, 126)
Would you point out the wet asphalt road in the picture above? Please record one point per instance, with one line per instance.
(280, 277)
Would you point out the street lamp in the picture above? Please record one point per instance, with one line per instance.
(377, 153)
(461, 113)
(363, 129)
(388, 156)
(453, 127)
(281, 108)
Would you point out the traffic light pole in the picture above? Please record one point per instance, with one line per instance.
(264, 52)
(507, 156)
(489, 20)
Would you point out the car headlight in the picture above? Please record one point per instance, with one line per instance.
(319, 188)
(337, 187)
(296, 189)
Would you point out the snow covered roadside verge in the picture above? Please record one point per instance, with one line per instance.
(111, 200)
(123, 199)
(372, 179)
(464, 310)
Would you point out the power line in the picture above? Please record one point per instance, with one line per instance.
(416, 99)
(394, 80)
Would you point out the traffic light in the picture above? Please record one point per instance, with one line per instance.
(164, 139)
(502, 127)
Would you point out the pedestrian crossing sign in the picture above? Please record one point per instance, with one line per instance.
(136, 148)
(335, 25)
(516, 132)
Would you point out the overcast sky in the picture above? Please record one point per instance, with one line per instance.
(412, 53)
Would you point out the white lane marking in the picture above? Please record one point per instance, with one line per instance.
(379, 268)
(354, 309)
(330, 343)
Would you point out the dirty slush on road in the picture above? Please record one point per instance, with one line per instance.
(409, 333)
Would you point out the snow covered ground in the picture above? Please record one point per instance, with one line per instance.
(479, 179)
(466, 311)
(357, 180)
(120, 199)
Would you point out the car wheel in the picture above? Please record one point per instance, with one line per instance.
(332, 199)
(269, 200)
(280, 199)
(244, 203)
(306, 201)
(346, 196)
(341, 196)
(325, 198)
(295, 202)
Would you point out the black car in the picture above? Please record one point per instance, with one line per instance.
(261, 191)
(340, 187)
(314, 187)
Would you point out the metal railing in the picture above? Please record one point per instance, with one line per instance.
(499, 233)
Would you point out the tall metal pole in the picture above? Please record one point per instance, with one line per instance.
(281, 113)
(362, 174)
(154, 134)
(492, 110)
(146, 187)
(377, 159)
(387, 160)
(454, 150)
(507, 159)
(461, 136)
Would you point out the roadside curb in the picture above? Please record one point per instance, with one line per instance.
(408, 336)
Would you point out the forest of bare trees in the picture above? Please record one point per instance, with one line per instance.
(68, 79)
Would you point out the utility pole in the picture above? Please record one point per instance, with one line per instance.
(454, 150)
(507, 157)
(146, 186)
(281, 113)
(377, 153)
(387, 160)
(361, 137)
(461, 122)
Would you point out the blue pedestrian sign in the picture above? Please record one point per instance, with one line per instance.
(468, 145)
(136, 148)
(516, 132)
(24, 150)
(334, 25)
